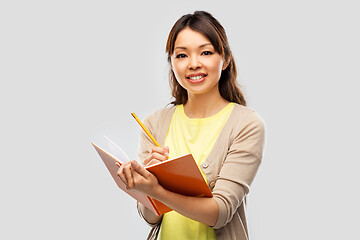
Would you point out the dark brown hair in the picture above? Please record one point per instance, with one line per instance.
(206, 24)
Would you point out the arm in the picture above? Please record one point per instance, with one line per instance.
(136, 177)
(203, 210)
(145, 149)
(232, 183)
(154, 123)
(157, 154)
(239, 167)
(148, 215)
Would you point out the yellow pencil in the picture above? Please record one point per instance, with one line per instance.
(146, 131)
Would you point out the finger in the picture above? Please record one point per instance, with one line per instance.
(160, 150)
(157, 156)
(120, 173)
(128, 176)
(158, 153)
(140, 169)
(137, 178)
(156, 149)
(118, 164)
(152, 162)
(167, 150)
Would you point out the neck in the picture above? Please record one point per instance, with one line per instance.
(204, 105)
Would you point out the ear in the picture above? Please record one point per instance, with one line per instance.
(226, 64)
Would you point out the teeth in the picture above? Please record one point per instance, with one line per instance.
(197, 77)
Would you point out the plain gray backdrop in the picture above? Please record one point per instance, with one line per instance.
(73, 71)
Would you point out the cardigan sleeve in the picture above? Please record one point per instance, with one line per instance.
(145, 143)
(239, 168)
(145, 146)
(157, 123)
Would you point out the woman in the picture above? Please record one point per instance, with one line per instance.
(209, 119)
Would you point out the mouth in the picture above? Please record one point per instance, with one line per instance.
(196, 78)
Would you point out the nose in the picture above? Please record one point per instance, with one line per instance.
(194, 63)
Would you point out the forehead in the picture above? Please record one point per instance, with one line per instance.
(189, 38)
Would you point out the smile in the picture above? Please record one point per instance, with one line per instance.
(197, 78)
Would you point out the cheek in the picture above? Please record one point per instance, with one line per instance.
(175, 71)
(178, 69)
(213, 64)
(216, 67)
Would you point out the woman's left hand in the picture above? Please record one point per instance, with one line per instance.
(136, 177)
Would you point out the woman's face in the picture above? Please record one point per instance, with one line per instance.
(196, 65)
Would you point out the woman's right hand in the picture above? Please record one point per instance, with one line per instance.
(157, 155)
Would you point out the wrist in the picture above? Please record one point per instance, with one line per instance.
(158, 193)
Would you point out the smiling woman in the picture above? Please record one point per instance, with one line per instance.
(210, 29)
(209, 120)
(196, 65)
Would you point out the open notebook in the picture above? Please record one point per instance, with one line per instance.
(180, 175)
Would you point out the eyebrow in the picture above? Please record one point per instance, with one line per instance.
(201, 46)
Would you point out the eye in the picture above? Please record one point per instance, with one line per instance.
(181, 55)
(206, 53)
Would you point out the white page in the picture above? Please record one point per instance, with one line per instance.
(115, 150)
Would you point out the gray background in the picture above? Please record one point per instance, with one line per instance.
(72, 71)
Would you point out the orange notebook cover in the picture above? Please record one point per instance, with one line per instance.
(180, 175)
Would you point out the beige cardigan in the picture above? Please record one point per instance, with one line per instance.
(230, 167)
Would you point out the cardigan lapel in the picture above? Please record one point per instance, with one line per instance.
(224, 135)
(165, 124)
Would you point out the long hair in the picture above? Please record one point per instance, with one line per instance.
(204, 23)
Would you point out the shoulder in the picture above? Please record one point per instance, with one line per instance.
(244, 115)
(160, 113)
(159, 117)
(245, 121)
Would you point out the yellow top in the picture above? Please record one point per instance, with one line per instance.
(196, 136)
